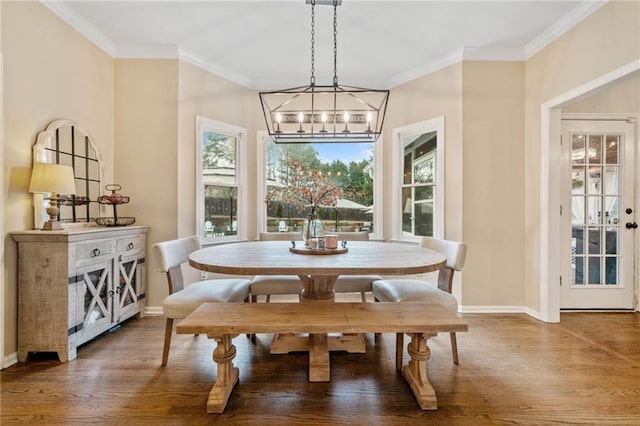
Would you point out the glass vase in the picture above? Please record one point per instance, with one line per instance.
(312, 228)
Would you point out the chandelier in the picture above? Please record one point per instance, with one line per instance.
(329, 113)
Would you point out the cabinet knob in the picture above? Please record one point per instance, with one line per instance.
(95, 252)
(129, 246)
(111, 293)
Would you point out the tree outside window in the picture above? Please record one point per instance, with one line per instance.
(347, 168)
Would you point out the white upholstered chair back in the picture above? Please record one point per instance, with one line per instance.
(175, 252)
(456, 252)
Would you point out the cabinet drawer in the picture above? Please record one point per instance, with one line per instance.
(94, 249)
(133, 245)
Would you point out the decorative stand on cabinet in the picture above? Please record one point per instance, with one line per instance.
(76, 284)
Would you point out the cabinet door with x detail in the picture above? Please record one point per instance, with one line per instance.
(96, 297)
(129, 286)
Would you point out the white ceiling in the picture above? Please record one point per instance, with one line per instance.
(266, 44)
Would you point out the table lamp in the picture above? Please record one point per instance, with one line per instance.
(53, 179)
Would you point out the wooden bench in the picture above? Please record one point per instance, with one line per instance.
(224, 321)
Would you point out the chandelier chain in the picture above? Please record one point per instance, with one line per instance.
(313, 50)
(335, 43)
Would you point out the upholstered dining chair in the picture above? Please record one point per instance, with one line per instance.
(184, 299)
(268, 285)
(413, 290)
(354, 283)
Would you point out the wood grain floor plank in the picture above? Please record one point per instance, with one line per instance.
(513, 370)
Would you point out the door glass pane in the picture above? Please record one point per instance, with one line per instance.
(594, 269)
(577, 179)
(578, 275)
(611, 180)
(594, 150)
(613, 143)
(593, 246)
(594, 180)
(578, 153)
(594, 207)
(611, 271)
(612, 214)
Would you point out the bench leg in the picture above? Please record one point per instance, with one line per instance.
(416, 372)
(227, 375)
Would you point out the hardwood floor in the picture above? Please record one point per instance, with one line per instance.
(513, 370)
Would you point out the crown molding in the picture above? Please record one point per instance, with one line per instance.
(68, 15)
(76, 21)
(425, 69)
(492, 54)
(147, 52)
(225, 73)
(563, 25)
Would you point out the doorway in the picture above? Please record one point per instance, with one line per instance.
(598, 217)
(550, 236)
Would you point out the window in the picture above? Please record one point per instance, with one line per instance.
(351, 166)
(418, 180)
(221, 190)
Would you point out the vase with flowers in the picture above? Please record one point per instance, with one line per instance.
(310, 188)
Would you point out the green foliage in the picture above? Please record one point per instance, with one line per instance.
(218, 151)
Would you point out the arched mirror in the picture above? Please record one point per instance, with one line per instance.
(66, 142)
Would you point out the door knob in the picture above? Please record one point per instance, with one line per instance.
(630, 225)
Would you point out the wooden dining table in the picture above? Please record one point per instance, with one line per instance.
(318, 274)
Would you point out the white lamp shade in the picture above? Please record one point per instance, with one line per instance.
(52, 178)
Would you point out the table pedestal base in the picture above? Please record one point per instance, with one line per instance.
(318, 346)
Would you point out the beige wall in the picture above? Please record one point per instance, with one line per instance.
(50, 72)
(601, 43)
(210, 96)
(146, 143)
(620, 98)
(431, 96)
(205, 94)
(493, 209)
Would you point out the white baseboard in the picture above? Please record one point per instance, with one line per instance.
(10, 360)
(153, 311)
(479, 309)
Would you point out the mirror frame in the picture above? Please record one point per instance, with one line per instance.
(46, 143)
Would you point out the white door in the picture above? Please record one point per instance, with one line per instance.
(598, 215)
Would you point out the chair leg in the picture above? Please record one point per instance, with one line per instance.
(167, 341)
(454, 348)
(268, 298)
(363, 297)
(254, 298)
(399, 350)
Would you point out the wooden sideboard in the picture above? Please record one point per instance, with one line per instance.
(76, 284)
